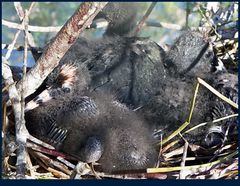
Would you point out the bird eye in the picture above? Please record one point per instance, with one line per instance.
(208, 54)
(66, 89)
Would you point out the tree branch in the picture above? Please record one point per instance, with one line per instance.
(141, 23)
(97, 24)
(21, 132)
(19, 10)
(21, 14)
(30, 27)
(22, 151)
(11, 46)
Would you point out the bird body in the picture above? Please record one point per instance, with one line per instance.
(121, 17)
(118, 61)
(171, 107)
(191, 55)
(95, 128)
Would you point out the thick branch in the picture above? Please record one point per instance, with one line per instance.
(60, 45)
(22, 151)
(21, 131)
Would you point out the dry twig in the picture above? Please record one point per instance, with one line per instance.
(182, 174)
(31, 27)
(21, 15)
(141, 23)
(21, 131)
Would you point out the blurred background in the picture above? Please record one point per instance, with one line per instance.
(57, 13)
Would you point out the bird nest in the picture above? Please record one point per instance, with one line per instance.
(178, 158)
(175, 161)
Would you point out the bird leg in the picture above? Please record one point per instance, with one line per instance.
(80, 169)
(94, 172)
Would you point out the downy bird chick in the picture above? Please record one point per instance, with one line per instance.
(192, 55)
(129, 65)
(84, 51)
(121, 17)
(170, 109)
(92, 128)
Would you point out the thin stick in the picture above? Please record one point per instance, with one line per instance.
(94, 172)
(37, 141)
(100, 24)
(31, 7)
(193, 102)
(31, 168)
(52, 163)
(48, 151)
(21, 14)
(31, 27)
(19, 10)
(55, 172)
(202, 166)
(67, 163)
(4, 118)
(165, 25)
(214, 121)
(184, 156)
(187, 14)
(11, 46)
(224, 98)
(141, 23)
(186, 123)
(26, 20)
(7, 87)
(21, 142)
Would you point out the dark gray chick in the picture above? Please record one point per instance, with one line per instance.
(170, 109)
(192, 55)
(131, 66)
(121, 17)
(92, 128)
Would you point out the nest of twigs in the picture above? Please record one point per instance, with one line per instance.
(185, 161)
(176, 161)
